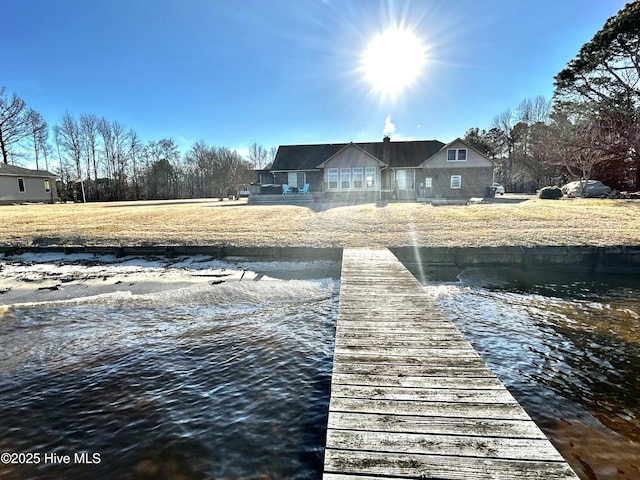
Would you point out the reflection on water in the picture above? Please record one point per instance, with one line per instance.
(210, 381)
(568, 348)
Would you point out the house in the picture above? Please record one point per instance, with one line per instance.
(404, 170)
(18, 185)
(457, 170)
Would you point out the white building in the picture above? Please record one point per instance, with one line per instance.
(18, 185)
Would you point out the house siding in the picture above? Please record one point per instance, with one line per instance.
(313, 178)
(351, 157)
(34, 189)
(474, 182)
(476, 173)
(474, 159)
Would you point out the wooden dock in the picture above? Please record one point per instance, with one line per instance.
(411, 398)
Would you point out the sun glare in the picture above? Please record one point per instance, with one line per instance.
(393, 61)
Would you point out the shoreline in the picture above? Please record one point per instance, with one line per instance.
(579, 258)
(53, 277)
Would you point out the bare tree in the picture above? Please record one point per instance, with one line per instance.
(258, 156)
(232, 171)
(68, 139)
(121, 142)
(534, 110)
(69, 146)
(201, 160)
(14, 122)
(115, 145)
(544, 153)
(108, 154)
(582, 143)
(134, 153)
(272, 156)
(89, 133)
(38, 135)
(514, 135)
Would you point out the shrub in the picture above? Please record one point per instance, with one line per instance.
(550, 193)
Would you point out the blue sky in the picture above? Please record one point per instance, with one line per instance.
(277, 72)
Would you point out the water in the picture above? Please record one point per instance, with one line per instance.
(209, 380)
(194, 369)
(568, 348)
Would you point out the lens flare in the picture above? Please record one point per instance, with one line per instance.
(393, 61)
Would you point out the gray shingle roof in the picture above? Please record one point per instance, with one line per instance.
(6, 169)
(401, 154)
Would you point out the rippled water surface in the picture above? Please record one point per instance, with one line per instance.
(568, 347)
(212, 380)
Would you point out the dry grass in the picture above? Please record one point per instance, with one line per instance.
(209, 222)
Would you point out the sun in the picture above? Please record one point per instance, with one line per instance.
(393, 61)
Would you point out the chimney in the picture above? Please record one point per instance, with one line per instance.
(386, 157)
(386, 150)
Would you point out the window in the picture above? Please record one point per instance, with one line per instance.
(457, 155)
(428, 182)
(21, 188)
(456, 181)
(332, 177)
(405, 179)
(370, 176)
(345, 178)
(47, 185)
(295, 179)
(357, 177)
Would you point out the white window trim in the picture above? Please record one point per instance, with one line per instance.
(428, 182)
(24, 185)
(373, 171)
(457, 155)
(459, 181)
(357, 174)
(47, 185)
(336, 172)
(345, 172)
(352, 174)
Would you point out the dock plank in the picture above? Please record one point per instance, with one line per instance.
(496, 411)
(535, 449)
(350, 464)
(411, 398)
(428, 368)
(481, 427)
(481, 383)
(377, 351)
(457, 395)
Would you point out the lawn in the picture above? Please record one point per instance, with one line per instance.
(211, 222)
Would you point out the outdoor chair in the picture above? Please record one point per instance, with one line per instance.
(305, 189)
(285, 189)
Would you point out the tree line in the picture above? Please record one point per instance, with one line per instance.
(591, 126)
(103, 160)
(589, 129)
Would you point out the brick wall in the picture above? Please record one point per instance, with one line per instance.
(474, 182)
